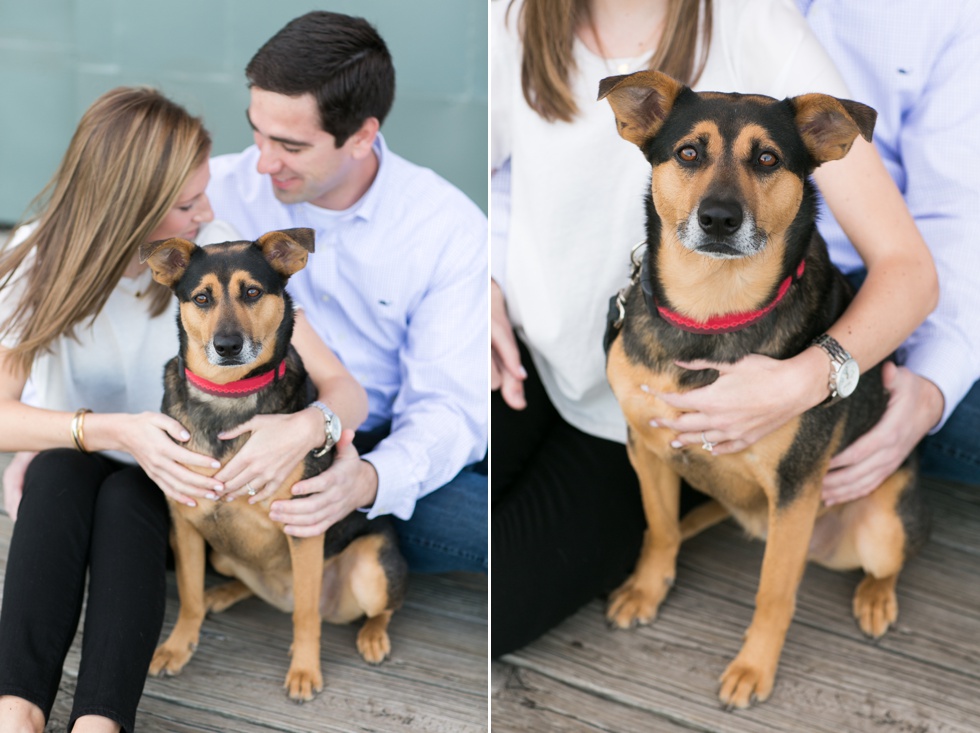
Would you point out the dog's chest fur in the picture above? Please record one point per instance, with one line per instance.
(238, 528)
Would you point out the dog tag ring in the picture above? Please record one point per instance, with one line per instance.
(331, 425)
(844, 371)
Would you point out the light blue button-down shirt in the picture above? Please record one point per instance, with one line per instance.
(398, 288)
(916, 63)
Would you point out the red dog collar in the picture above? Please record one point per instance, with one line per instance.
(242, 387)
(730, 321)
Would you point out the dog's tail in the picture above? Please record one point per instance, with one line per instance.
(701, 517)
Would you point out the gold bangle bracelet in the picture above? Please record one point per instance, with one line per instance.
(78, 429)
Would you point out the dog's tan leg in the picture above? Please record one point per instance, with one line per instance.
(358, 586)
(304, 677)
(637, 600)
(880, 542)
(188, 545)
(752, 673)
(701, 518)
(224, 596)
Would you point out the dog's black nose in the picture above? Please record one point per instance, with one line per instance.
(228, 344)
(719, 218)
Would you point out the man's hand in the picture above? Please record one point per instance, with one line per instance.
(506, 372)
(348, 484)
(914, 406)
(13, 482)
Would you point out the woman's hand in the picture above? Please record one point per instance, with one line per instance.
(506, 372)
(13, 481)
(277, 445)
(147, 437)
(750, 399)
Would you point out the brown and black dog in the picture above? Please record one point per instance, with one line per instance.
(734, 266)
(235, 361)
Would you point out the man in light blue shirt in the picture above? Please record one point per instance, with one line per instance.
(916, 64)
(397, 287)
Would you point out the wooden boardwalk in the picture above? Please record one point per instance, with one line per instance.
(435, 680)
(923, 676)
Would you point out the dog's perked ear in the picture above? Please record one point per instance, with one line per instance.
(168, 259)
(829, 125)
(286, 250)
(641, 102)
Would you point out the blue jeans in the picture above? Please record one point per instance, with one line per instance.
(448, 529)
(953, 453)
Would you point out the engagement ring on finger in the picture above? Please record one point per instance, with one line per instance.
(707, 444)
(249, 490)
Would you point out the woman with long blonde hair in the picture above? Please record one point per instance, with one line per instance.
(566, 516)
(82, 317)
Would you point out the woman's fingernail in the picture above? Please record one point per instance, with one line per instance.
(212, 496)
(215, 464)
(654, 424)
(645, 387)
(229, 498)
(191, 502)
(185, 435)
(676, 444)
(219, 488)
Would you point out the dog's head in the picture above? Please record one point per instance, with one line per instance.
(730, 170)
(235, 314)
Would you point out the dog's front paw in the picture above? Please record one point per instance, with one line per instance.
(744, 682)
(875, 605)
(635, 602)
(303, 684)
(170, 657)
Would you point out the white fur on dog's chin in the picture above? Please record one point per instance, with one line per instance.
(748, 240)
(250, 352)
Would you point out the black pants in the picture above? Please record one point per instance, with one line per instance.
(84, 512)
(566, 518)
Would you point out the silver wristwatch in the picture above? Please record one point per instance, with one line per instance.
(844, 371)
(331, 425)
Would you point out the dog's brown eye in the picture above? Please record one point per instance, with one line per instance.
(687, 154)
(253, 293)
(201, 299)
(768, 160)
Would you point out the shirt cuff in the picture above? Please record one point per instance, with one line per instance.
(396, 500)
(954, 384)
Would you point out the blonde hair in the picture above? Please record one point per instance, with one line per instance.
(547, 29)
(131, 155)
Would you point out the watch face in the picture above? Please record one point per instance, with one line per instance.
(334, 430)
(847, 378)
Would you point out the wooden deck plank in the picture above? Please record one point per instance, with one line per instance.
(436, 679)
(923, 676)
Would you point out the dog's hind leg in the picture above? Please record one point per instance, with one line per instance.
(701, 518)
(222, 597)
(367, 579)
(305, 677)
(881, 542)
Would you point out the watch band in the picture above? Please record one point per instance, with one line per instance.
(331, 426)
(839, 357)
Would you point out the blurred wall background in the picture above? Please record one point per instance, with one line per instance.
(57, 56)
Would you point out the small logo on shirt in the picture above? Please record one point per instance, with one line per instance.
(384, 302)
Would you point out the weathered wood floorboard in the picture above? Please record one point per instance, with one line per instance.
(435, 680)
(922, 677)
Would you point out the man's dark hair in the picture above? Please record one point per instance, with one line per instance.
(339, 59)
